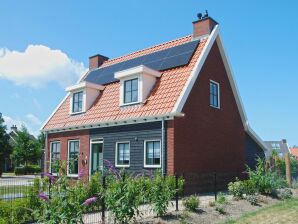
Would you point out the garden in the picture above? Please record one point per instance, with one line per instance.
(122, 197)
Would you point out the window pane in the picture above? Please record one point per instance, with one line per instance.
(123, 154)
(73, 157)
(134, 84)
(127, 97)
(134, 96)
(152, 153)
(128, 86)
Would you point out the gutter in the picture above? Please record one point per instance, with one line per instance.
(45, 153)
(163, 157)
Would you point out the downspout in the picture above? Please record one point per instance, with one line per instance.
(163, 164)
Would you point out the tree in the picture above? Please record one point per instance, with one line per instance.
(41, 139)
(26, 150)
(5, 148)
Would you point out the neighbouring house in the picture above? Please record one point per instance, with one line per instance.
(294, 151)
(174, 106)
(279, 147)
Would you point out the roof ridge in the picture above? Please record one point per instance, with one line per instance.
(145, 49)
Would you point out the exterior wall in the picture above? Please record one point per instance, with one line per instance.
(64, 137)
(135, 134)
(207, 139)
(252, 151)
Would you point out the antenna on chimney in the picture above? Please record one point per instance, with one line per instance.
(199, 15)
(206, 13)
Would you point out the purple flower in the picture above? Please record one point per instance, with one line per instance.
(81, 173)
(90, 201)
(43, 196)
(51, 177)
(111, 168)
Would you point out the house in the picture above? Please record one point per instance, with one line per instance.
(174, 106)
(279, 147)
(294, 151)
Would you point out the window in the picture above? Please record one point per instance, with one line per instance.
(130, 91)
(77, 102)
(122, 154)
(55, 156)
(152, 154)
(73, 157)
(214, 94)
(275, 146)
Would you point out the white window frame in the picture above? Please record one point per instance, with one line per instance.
(83, 103)
(94, 141)
(122, 89)
(50, 167)
(160, 153)
(116, 155)
(68, 144)
(218, 95)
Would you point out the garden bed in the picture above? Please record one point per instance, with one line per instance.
(206, 214)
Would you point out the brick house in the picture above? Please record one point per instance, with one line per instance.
(174, 106)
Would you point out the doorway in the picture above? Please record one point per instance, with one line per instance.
(96, 155)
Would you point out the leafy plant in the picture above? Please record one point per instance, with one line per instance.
(191, 203)
(284, 194)
(220, 209)
(236, 189)
(212, 203)
(252, 199)
(161, 192)
(221, 199)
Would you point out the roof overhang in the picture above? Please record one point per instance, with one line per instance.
(141, 69)
(83, 85)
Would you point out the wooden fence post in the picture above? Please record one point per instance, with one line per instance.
(288, 169)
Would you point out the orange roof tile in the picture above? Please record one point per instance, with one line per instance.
(106, 107)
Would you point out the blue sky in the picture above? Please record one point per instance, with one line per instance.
(261, 39)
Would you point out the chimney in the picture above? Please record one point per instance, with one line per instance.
(203, 26)
(14, 128)
(96, 61)
(284, 141)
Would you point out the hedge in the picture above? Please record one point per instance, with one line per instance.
(29, 169)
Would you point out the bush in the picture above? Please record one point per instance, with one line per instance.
(236, 189)
(253, 199)
(191, 203)
(29, 169)
(221, 199)
(220, 209)
(284, 194)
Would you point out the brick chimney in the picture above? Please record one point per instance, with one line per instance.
(284, 141)
(14, 128)
(96, 61)
(203, 26)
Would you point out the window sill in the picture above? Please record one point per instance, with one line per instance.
(130, 104)
(73, 175)
(215, 107)
(152, 166)
(77, 113)
(122, 166)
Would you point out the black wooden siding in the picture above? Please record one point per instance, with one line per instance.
(252, 151)
(135, 134)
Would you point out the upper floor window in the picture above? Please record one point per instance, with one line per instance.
(131, 91)
(77, 102)
(214, 94)
(275, 146)
(122, 154)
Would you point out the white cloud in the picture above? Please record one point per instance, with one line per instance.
(39, 65)
(9, 121)
(33, 119)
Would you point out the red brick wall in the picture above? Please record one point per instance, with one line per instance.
(64, 137)
(170, 147)
(208, 139)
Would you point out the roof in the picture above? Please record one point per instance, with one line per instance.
(280, 147)
(165, 101)
(106, 107)
(294, 151)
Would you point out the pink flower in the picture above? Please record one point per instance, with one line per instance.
(51, 177)
(81, 174)
(90, 201)
(43, 196)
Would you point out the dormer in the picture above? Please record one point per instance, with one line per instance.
(82, 96)
(136, 84)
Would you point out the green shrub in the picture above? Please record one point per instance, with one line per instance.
(191, 203)
(220, 209)
(284, 194)
(253, 199)
(212, 203)
(221, 199)
(29, 169)
(236, 189)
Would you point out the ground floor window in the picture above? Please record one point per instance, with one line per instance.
(55, 156)
(73, 157)
(122, 154)
(152, 153)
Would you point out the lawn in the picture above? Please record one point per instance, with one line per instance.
(282, 212)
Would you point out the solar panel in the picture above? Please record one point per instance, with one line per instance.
(161, 60)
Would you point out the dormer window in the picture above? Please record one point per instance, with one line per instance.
(131, 91)
(77, 102)
(135, 84)
(82, 96)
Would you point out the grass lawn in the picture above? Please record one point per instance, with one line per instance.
(282, 212)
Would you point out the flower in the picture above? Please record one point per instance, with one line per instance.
(51, 177)
(43, 196)
(81, 173)
(111, 168)
(90, 201)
